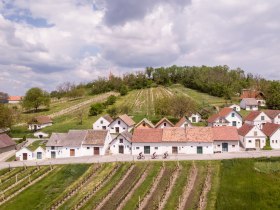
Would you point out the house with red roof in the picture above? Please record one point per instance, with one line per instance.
(6, 143)
(39, 122)
(272, 131)
(164, 123)
(194, 117)
(225, 117)
(250, 93)
(258, 118)
(188, 140)
(251, 137)
(14, 99)
(102, 123)
(274, 115)
(121, 123)
(183, 123)
(144, 123)
(121, 144)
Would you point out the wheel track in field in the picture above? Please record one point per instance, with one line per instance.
(189, 187)
(146, 198)
(152, 101)
(206, 189)
(108, 196)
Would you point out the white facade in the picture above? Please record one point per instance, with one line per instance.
(194, 118)
(39, 154)
(219, 122)
(247, 107)
(24, 154)
(232, 119)
(63, 152)
(275, 139)
(41, 134)
(261, 119)
(120, 145)
(254, 139)
(172, 148)
(235, 107)
(101, 124)
(119, 126)
(226, 146)
(261, 102)
(38, 126)
(276, 120)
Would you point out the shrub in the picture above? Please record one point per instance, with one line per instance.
(112, 111)
(96, 109)
(267, 145)
(123, 90)
(111, 100)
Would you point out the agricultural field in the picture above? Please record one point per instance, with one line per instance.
(226, 184)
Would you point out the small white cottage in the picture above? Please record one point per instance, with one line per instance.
(194, 117)
(258, 118)
(40, 122)
(183, 123)
(121, 124)
(102, 123)
(225, 117)
(272, 131)
(41, 134)
(250, 104)
(164, 123)
(235, 107)
(121, 144)
(24, 154)
(274, 115)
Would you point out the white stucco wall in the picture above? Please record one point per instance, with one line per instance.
(275, 140)
(19, 154)
(98, 125)
(233, 146)
(237, 118)
(276, 120)
(249, 141)
(114, 146)
(259, 121)
(122, 126)
(38, 134)
(31, 126)
(235, 107)
(196, 116)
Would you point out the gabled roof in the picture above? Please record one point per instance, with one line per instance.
(250, 101)
(146, 121)
(162, 121)
(191, 113)
(244, 130)
(126, 119)
(252, 115)
(272, 113)
(270, 128)
(41, 120)
(248, 93)
(199, 134)
(95, 137)
(182, 121)
(108, 118)
(6, 141)
(57, 139)
(125, 134)
(147, 135)
(174, 134)
(227, 133)
(223, 113)
(15, 98)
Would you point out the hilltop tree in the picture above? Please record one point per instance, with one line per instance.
(273, 96)
(34, 98)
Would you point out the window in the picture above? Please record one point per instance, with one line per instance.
(52, 148)
(88, 147)
(233, 145)
(121, 140)
(144, 124)
(101, 122)
(147, 150)
(250, 141)
(255, 133)
(119, 122)
(233, 123)
(278, 116)
(232, 114)
(273, 141)
(137, 147)
(219, 145)
(262, 117)
(156, 148)
(276, 141)
(164, 124)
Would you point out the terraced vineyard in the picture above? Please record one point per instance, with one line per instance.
(227, 184)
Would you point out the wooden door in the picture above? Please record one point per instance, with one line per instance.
(39, 155)
(121, 149)
(257, 143)
(174, 150)
(96, 151)
(24, 156)
(72, 152)
(53, 155)
(224, 147)
(117, 129)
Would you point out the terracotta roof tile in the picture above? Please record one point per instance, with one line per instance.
(174, 134)
(15, 98)
(251, 94)
(272, 113)
(270, 128)
(252, 115)
(41, 120)
(6, 141)
(227, 133)
(147, 135)
(148, 124)
(244, 129)
(127, 120)
(95, 137)
(108, 118)
(199, 134)
(182, 121)
(162, 121)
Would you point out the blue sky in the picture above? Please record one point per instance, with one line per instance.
(45, 43)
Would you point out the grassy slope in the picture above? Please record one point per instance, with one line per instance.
(38, 196)
(242, 187)
(36, 144)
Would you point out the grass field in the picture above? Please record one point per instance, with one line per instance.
(234, 184)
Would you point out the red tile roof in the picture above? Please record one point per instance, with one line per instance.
(145, 123)
(162, 121)
(127, 120)
(252, 115)
(6, 141)
(199, 134)
(272, 113)
(41, 120)
(174, 134)
(227, 133)
(108, 118)
(147, 135)
(270, 128)
(244, 129)
(221, 114)
(181, 122)
(251, 94)
(15, 98)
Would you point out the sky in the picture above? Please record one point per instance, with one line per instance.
(47, 42)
